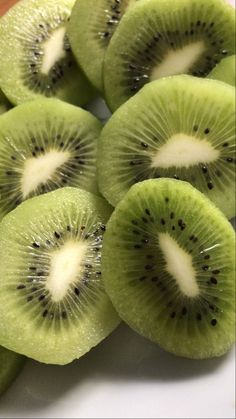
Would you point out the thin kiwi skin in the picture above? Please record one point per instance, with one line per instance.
(10, 366)
(77, 338)
(225, 71)
(133, 22)
(115, 273)
(74, 89)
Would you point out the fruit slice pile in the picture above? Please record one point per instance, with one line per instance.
(163, 260)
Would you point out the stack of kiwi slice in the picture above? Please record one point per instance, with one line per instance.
(123, 221)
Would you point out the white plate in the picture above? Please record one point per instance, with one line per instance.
(126, 376)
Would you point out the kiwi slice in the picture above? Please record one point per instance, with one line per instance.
(172, 279)
(181, 127)
(225, 71)
(4, 103)
(10, 366)
(90, 30)
(158, 38)
(36, 57)
(46, 144)
(53, 307)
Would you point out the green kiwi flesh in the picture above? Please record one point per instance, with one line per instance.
(36, 57)
(158, 38)
(53, 307)
(10, 366)
(91, 27)
(4, 103)
(179, 127)
(225, 71)
(46, 144)
(172, 278)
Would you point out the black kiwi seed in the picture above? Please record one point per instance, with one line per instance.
(205, 267)
(213, 322)
(199, 316)
(21, 287)
(184, 311)
(77, 291)
(36, 245)
(213, 280)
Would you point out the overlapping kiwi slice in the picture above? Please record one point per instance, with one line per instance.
(180, 127)
(36, 57)
(53, 307)
(4, 103)
(46, 144)
(158, 38)
(172, 278)
(225, 71)
(90, 30)
(10, 366)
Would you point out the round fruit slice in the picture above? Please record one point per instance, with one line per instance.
(225, 71)
(4, 104)
(172, 279)
(46, 144)
(158, 38)
(91, 27)
(10, 366)
(36, 58)
(181, 127)
(53, 307)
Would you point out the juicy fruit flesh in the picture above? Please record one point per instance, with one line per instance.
(36, 55)
(52, 280)
(187, 307)
(179, 264)
(179, 61)
(46, 144)
(156, 39)
(176, 127)
(225, 71)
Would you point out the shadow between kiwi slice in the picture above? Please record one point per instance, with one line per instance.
(10, 366)
(53, 307)
(4, 103)
(36, 57)
(180, 127)
(46, 144)
(159, 38)
(173, 277)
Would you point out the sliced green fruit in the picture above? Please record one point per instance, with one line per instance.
(10, 366)
(159, 38)
(36, 58)
(173, 275)
(53, 307)
(181, 127)
(46, 144)
(90, 30)
(225, 71)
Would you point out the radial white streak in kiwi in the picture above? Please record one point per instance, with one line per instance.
(178, 61)
(39, 170)
(53, 50)
(183, 150)
(65, 268)
(179, 265)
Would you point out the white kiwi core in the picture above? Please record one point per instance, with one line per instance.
(183, 150)
(53, 50)
(38, 170)
(178, 61)
(179, 265)
(66, 266)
